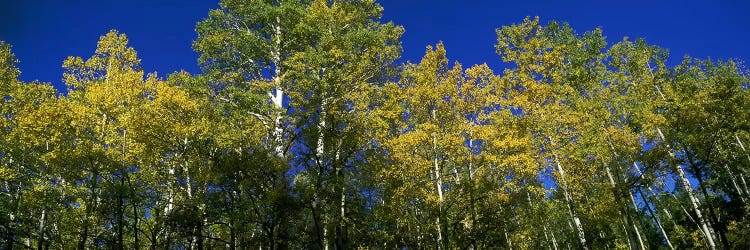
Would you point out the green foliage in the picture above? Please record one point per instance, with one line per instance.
(302, 132)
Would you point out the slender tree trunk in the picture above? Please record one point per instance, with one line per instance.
(93, 200)
(90, 206)
(635, 224)
(683, 178)
(325, 236)
(696, 207)
(319, 153)
(544, 226)
(618, 197)
(627, 234)
(189, 187)
(693, 198)
(742, 146)
(737, 187)
(42, 221)
(648, 201)
(687, 214)
(10, 236)
(438, 185)
(674, 224)
(120, 213)
(714, 221)
(199, 235)
(417, 224)
(553, 241)
(318, 211)
(342, 232)
(656, 219)
(169, 206)
(472, 205)
(318, 221)
(84, 235)
(232, 235)
(121, 200)
(571, 206)
(744, 184)
(742, 175)
(278, 97)
(624, 210)
(733, 178)
(136, 241)
(508, 239)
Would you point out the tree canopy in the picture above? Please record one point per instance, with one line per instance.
(303, 132)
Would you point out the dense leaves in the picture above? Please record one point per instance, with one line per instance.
(302, 133)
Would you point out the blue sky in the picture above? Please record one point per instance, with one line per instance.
(44, 32)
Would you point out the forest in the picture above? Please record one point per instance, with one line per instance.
(303, 132)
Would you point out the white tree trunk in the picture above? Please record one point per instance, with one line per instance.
(319, 151)
(278, 97)
(341, 171)
(744, 184)
(508, 240)
(544, 227)
(554, 240)
(42, 222)
(742, 175)
(325, 237)
(630, 193)
(696, 207)
(627, 235)
(438, 186)
(693, 198)
(635, 206)
(742, 146)
(278, 130)
(419, 228)
(737, 187)
(658, 221)
(320, 147)
(170, 204)
(569, 202)
(635, 226)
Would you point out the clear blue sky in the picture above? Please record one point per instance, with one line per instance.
(44, 32)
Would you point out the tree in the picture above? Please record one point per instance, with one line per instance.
(28, 196)
(543, 96)
(323, 58)
(302, 132)
(421, 147)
